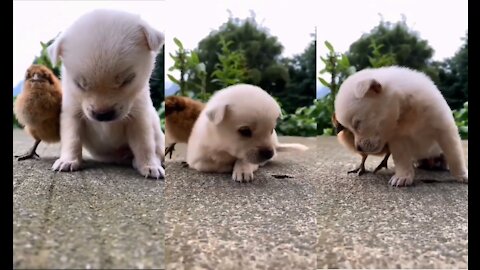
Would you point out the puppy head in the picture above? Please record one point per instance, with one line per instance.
(244, 117)
(39, 76)
(108, 57)
(365, 107)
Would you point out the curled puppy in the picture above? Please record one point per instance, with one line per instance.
(347, 139)
(236, 132)
(180, 116)
(404, 108)
(108, 57)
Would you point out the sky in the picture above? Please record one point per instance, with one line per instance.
(442, 22)
(35, 21)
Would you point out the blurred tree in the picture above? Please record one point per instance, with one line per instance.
(396, 41)
(453, 77)
(261, 50)
(301, 83)
(157, 80)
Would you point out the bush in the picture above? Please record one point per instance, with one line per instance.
(301, 123)
(461, 119)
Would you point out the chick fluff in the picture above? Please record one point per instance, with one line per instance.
(38, 107)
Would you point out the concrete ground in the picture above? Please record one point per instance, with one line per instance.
(301, 212)
(365, 223)
(213, 222)
(102, 217)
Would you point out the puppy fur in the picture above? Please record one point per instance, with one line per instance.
(38, 107)
(236, 132)
(180, 116)
(404, 108)
(108, 57)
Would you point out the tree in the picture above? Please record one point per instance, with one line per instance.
(396, 40)
(453, 77)
(231, 67)
(261, 50)
(300, 87)
(157, 81)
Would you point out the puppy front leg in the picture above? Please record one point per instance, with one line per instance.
(71, 143)
(404, 171)
(451, 146)
(159, 137)
(141, 140)
(243, 171)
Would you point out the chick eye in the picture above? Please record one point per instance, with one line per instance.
(245, 132)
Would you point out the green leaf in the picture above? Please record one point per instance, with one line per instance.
(329, 46)
(324, 82)
(173, 79)
(178, 42)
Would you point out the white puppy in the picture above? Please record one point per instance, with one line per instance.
(235, 131)
(108, 57)
(404, 108)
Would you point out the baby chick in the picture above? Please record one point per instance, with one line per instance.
(38, 107)
(180, 116)
(347, 139)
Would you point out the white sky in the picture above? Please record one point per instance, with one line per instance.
(441, 22)
(35, 21)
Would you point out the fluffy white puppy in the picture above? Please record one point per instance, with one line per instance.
(108, 57)
(236, 131)
(404, 108)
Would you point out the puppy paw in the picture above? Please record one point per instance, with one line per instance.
(400, 181)
(462, 178)
(243, 171)
(65, 165)
(242, 176)
(150, 170)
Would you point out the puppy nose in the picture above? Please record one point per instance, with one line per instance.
(104, 116)
(266, 153)
(359, 148)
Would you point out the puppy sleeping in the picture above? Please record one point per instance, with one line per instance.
(236, 132)
(108, 57)
(404, 108)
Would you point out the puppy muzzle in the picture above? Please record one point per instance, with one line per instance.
(260, 155)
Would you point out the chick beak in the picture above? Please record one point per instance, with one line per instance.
(35, 77)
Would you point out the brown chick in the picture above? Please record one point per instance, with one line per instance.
(347, 139)
(180, 116)
(38, 107)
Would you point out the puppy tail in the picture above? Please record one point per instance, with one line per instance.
(285, 147)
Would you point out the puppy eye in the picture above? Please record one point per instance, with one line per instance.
(79, 85)
(245, 132)
(356, 124)
(128, 80)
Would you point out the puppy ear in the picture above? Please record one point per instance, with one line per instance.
(217, 113)
(366, 87)
(54, 51)
(154, 38)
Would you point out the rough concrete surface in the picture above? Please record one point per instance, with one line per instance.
(365, 223)
(303, 211)
(213, 222)
(101, 217)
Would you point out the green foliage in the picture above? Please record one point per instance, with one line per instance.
(44, 59)
(378, 59)
(339, 68)
(15, 121)
(260, 49)
(157, 81)
(300, 123)
(300, 88)
(397, 41)
(453, 77)
(231, 67)
(161, 114)
(461, 119)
